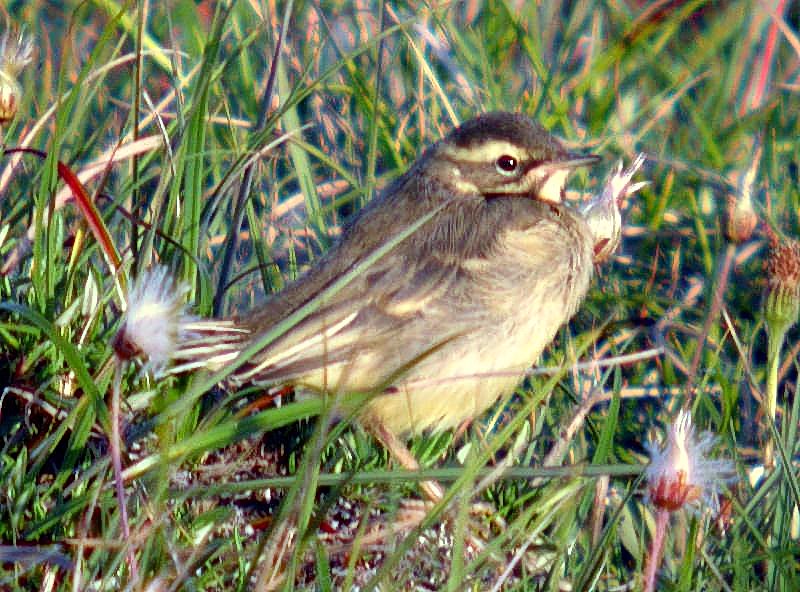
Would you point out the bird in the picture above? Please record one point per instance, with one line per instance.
(479, 262)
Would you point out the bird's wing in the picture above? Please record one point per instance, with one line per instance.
(428, 290)
(361, 320)
(408, 303)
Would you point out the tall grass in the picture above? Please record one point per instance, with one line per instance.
(226, 148)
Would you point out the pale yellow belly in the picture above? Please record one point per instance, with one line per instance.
(480, 341)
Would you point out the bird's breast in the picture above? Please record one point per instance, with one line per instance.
(510, 304)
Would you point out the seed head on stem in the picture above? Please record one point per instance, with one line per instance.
(783, 283)
(781, 309)
(681, 475)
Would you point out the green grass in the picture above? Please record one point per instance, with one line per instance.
(262, 171)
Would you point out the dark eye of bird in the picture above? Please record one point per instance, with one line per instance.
(506, 164)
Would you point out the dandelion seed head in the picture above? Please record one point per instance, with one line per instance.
(154, 321)
(681, 474)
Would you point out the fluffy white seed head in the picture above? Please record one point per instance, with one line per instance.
(602, 212)
(155, 320)
(680, 473)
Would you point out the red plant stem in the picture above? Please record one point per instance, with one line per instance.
(656, 548)
(116, 462)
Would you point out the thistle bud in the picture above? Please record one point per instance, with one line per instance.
(602, 213)
(15, 54)
(783, 284)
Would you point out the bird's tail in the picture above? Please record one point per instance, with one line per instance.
(208, 344)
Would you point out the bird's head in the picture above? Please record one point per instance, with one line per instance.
(503, 154)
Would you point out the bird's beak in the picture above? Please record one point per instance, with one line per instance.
(554, 175)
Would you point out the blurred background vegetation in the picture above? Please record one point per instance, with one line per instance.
(229, 140)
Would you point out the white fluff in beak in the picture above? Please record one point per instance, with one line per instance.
(602, 213)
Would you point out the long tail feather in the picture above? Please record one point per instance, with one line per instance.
(209, 344)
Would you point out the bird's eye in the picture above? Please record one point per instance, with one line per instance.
(506, 164)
